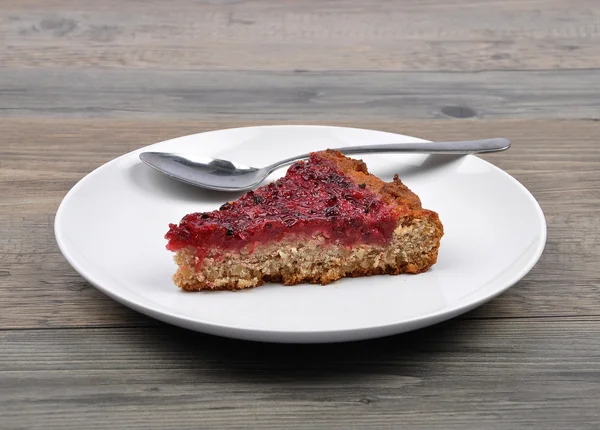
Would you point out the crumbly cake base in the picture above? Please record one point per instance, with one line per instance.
(413, 249)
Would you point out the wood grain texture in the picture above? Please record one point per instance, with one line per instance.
(495, 374)
(333, 96)
(458, 35)
(558, 161)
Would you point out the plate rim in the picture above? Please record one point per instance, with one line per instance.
(296, 335)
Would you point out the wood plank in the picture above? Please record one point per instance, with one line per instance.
(277, 96)
(495, 374)
(558, 161)
(413, 35)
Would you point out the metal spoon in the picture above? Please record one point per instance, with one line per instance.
(223, 175)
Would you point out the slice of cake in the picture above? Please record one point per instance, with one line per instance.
(327, 218)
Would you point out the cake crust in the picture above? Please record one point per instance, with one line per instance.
(393, 193)
(299, 261)
(412, 247)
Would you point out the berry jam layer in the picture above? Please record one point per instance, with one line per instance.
(314, 198)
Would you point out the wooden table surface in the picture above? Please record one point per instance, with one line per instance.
(82, 82)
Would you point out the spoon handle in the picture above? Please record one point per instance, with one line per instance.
(458, 147)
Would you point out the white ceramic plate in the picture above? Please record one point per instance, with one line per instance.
(111, 226)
